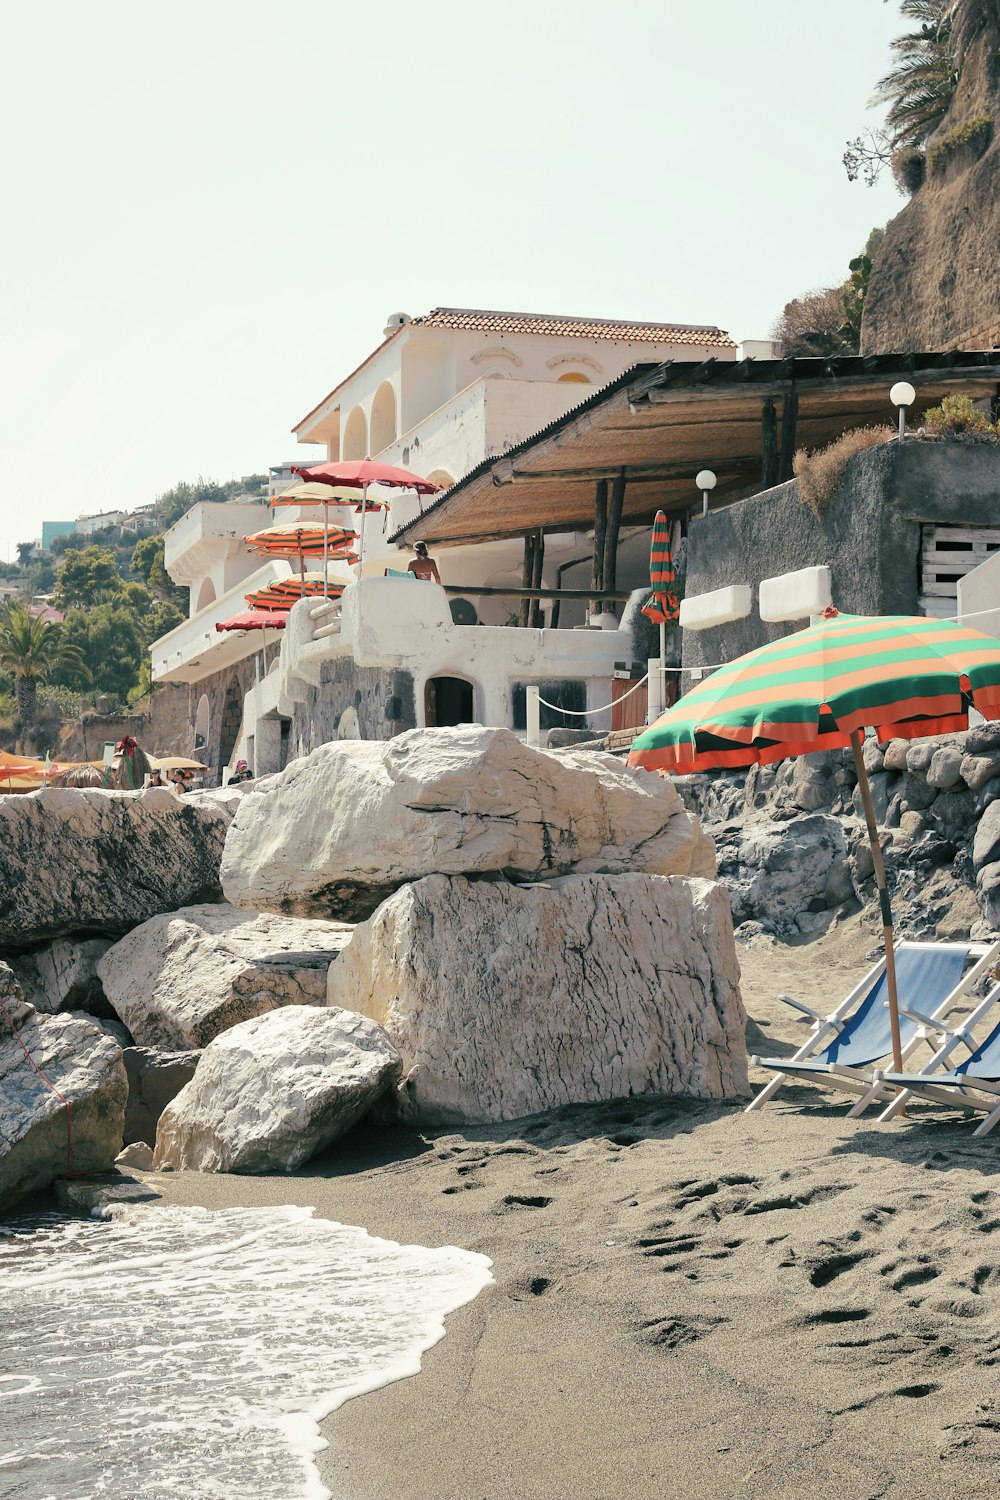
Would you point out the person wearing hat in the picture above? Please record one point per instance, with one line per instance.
(242, 773)
(423, 566)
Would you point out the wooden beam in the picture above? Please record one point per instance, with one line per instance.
(615, 507)
(768, 445)
(527, 574)
(789, 423)
(536, 578)
(821, 384)
(600, 532)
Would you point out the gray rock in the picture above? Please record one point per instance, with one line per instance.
(953, 814)
(977, 770)
(138, 1157)
(154, 1079)
(180, 979)
(86, 1068)
(271, 1092)
(880, 796)
(945, 769)
(63, 976)
(896, 753)
(338, 831)
(812, 786)
(585, 988)
(839, 884)
(911, 825)
(773, 871)
(862, 862)
(82, 860)
(919, 756)
(873, 756)
(915, 792)
(984, 739)
(986, 844)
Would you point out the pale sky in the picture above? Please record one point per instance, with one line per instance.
(210, 206)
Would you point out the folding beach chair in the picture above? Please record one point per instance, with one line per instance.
(931, 978)
(979, 1071)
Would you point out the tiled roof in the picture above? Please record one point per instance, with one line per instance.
(575, 328)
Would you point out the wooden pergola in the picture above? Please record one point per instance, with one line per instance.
(635, 446)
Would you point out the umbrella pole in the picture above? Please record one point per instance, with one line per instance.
(857, 741)
(326, 550)
(361, 549)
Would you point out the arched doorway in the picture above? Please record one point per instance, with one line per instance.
(232, 718)
(201, 723)
(355, 443)
(448, 701)
(206, 595)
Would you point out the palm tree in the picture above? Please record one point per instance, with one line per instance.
(921, 84)
(32, 649)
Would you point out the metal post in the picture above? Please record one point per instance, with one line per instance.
(902, 423)
(533, 717)
(704, 502)
(654, 689)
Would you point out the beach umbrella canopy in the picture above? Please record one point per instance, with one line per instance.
(176, 763)
(359, 473)
(324, 494)
(270, 619)
(818, 689)
(663, 608)
(281, 597)
(300, 539)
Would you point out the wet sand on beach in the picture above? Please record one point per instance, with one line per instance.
(688, 1300)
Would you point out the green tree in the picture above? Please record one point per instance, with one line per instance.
(921, 83)
(109, 642)
(85, 575)
(148, 564)
(35, 651)
(855, 289)
(24, 551)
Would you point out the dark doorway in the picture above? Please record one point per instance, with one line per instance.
(448, 701)
(232, 720)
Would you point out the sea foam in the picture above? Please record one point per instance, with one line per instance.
(177, 1352)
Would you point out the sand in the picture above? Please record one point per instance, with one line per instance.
(688, 1300)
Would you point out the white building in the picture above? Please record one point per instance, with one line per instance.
(438, 395)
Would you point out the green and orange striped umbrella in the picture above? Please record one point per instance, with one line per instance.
(663, 607)
(906, 675)
(285, 591)
(301, 539)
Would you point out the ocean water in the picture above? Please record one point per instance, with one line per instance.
(182, 1354)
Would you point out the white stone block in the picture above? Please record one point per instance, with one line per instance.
(702, 611)
(795, 596)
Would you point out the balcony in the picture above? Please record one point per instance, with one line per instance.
(195, 649)
(209, 533)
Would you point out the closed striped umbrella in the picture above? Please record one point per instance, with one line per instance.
(663, 607)
(282, 595)
(817, 690)
(303, 539)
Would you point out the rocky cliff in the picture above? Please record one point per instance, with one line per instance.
(935, 284)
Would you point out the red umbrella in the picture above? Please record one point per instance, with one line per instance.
(270, 619)
(359, 473)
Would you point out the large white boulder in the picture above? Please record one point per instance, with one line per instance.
(82, 860)
(83, 1073)
(270, 1093)
(344, 827)
(64, 976)
(180, 979)
(507, 1000)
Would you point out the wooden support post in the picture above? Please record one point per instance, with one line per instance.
(789, 422)
(527, 573)
(600, 532)
(614, 524)
(768, 445)
(536, 578)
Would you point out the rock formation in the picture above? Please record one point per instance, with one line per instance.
(340, 830)
(79, 1061)
(64, 976)
(154, 1079)
(273, 1091)
(934, 284)
(181, 978)
(89, 861)
(507, 1000)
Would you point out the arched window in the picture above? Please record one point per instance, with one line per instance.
(202, 722)
(573, 377)
(441, 477)
(355, 436)
(383, 423)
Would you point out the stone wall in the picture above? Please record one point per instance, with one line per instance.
(352, 702)
(869, 536)
(163, 724)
